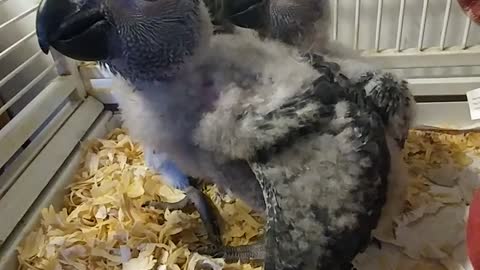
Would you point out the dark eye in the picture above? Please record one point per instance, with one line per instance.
(150, 0)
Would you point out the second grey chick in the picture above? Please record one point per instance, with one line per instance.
(305, 24)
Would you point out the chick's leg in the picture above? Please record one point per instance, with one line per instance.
(177, 179)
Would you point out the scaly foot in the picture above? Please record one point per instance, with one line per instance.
(244, 254)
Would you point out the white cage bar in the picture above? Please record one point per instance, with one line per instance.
(335, 19)
(27, 88)
(357, 24)
(466, 32)
(18, 69)
(446, 18)
(18, 17)
(378, 25)
(401, 16)
(16, 45)
(40, 120)
(421, 33)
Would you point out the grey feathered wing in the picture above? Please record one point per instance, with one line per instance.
(324, 182)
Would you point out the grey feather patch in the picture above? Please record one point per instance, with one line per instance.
(333, 219)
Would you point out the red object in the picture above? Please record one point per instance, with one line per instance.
(473, 231)
(472, 8)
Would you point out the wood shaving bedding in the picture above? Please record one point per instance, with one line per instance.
(444, 172)
(103, 225)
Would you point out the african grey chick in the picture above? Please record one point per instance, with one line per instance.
(237, 111)
(305, 24)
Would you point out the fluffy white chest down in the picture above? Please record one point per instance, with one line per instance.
(236, 72)
(257, 73)
(142, 120)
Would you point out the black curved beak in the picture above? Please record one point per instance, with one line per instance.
(78, 31)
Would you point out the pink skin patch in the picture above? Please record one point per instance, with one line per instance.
(471, 8)
(473, 231)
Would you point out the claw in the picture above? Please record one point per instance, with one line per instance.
(208, 214)
(377, 242)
